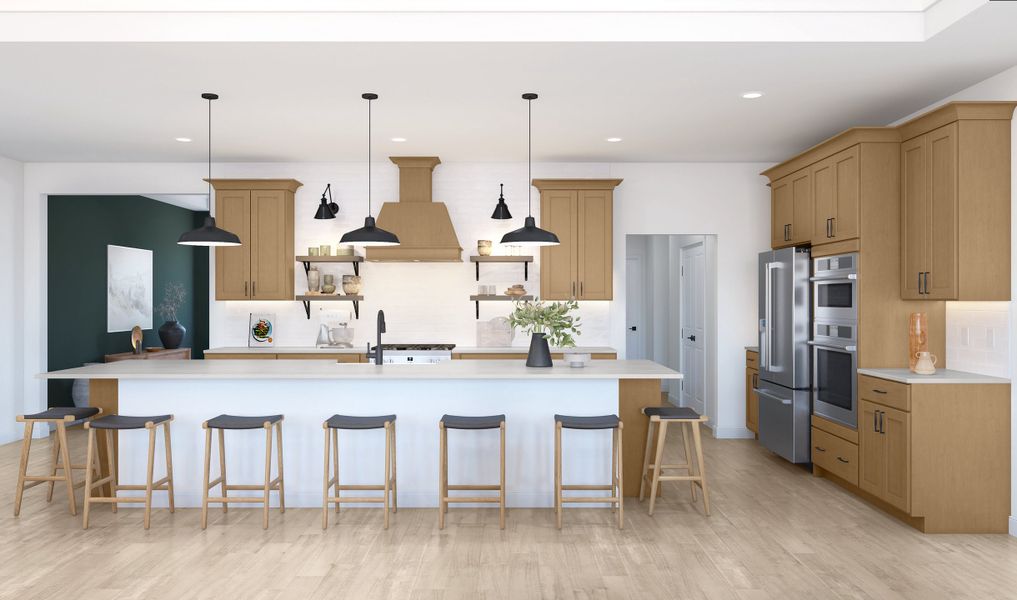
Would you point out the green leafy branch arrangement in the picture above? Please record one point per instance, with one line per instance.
(550, 318)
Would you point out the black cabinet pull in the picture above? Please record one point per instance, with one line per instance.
(820, 448)
(926, 282)
(875, 421)
(245, 289)
(254, 288)
(881, 422)
(843, 460)
(878, 391)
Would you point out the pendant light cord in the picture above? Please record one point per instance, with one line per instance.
(209, 156)
(529, 157)
(369, 157)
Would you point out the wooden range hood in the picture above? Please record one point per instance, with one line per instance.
(424, 227)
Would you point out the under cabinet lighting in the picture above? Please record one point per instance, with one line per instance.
(183, 139)
(399, 140)
(752, 95)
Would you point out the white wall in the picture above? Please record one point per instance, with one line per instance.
(729, 200)
(1000, 87)
(11, 403)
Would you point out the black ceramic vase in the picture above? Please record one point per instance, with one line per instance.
(171, 333)
(539, 354)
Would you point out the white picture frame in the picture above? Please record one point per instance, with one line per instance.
(128, 288)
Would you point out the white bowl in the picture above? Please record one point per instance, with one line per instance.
(577, 359)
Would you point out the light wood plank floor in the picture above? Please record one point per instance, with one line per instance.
(776, 532)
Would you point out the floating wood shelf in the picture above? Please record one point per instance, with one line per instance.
(497, 297)
(309, 260)
(526, 260)
(308, 298)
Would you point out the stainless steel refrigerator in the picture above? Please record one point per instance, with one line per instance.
(784, 388)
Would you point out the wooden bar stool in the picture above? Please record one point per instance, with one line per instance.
(122, 423)
(332, 427)
(60, 457)
(222, 423)
(590, 423)
(689, 421)
(476, 423)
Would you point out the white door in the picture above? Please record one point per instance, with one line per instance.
(693, 326)
(635, 347)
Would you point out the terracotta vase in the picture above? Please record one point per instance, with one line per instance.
(918, 337)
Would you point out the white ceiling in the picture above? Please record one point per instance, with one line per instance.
(301, 101)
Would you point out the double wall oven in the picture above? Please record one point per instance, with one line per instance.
(835, 338)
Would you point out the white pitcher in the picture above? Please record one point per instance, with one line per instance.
(926, 364)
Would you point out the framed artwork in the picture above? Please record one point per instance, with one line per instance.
(261, 330)
(128, 288)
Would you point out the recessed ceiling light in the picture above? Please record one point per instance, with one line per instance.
(613, 139)
(752, 95)
(399, 139)
(182, 139)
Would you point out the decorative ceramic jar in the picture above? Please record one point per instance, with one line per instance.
(312, 251)
(484, 247)
(328, 283)
(171, 334)
(313, 279)
(351, 284)
(326, 250)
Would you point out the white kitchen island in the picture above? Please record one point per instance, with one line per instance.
(308, 392)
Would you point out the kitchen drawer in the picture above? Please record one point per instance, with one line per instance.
(752, 360)
(885, 392)
(835, 455)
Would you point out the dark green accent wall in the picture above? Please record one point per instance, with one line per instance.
(80, 228)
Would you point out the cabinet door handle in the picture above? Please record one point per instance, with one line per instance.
(820, 448)
(828, 234)
(755, 380)
(580, 288)
(790, 231)
(881, 422)
(926, 282)
(920, 292)
(245, 289)
(874, 390)
(254, 288)
(875, 421)
(833, 226)
(843, 460)
(573, 289)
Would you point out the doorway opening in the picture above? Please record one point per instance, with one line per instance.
(671, 313)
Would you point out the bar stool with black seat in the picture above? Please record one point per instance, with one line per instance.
(123, 423)
(60, 457)
(234, 422)
(475, 423)
(611, 422)
(689, 420)
(332, 427)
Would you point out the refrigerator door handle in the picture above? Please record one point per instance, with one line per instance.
(771, 396)
(770, 267)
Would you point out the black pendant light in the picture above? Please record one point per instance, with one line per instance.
(327, 209)
(530, 234)
(208, 234)
(369, 234)
(501, 210)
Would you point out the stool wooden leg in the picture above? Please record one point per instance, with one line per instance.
(279, 467)
(65, 457)
(26, 447)
(686, 431)
(621, 480)
(558, 508)
(335, 448)
(658, 460)
(149, 476)
(114, 482)
(501, 484)
(395, 477)
(646, 460)
(268, 475)
(614, 469)
(169, 466)
(442, 466)
(324, 480)
(204, 487)
(54, 459)
(89, 463)
(222, 467)
(388, 482)
(702, 466)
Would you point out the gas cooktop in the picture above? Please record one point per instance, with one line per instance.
(417, 347)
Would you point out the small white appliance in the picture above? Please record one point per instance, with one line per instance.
(416, 354)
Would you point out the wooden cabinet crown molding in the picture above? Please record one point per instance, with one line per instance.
(840, 142)
(955, 111)
(576, 184)
(289, 185)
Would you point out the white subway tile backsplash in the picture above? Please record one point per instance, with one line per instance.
(978, 337)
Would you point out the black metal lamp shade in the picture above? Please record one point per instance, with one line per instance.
(208, 235)
(328, 208)
(501, 210)
(369, 235)
(530, 235)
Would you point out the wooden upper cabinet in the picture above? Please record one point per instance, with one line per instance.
(836, 197)
(260, 212)
(791, 219)
(955, 203)
(580, 213)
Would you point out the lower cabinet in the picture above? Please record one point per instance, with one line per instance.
(751, 399)
(343, 357)
(885, 443)
(835, 454)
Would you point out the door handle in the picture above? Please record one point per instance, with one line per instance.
(833, 226)
(692, 338)
(820, 448)
(926, 282)
(573, 289)
(254, 288)
(842, 459)
(878, 391)
(790, 231)
(580, 288)
(772, 397)
(920, 292)
(828, 230)
(755, 380)
(245, 289)
(875, 421)
(882, 422)
(633, 328)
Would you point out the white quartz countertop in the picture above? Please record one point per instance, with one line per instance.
(941, 376)
(361, 350)
(327, 369)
